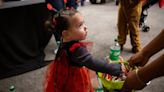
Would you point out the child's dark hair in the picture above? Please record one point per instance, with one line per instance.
(60, 21)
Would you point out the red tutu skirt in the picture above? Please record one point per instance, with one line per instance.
(64, 77)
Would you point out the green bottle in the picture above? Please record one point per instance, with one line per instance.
(12, 88)
(115, 51)
(100, 88)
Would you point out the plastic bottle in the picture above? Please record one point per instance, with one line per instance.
(12, 88)
(115, 51)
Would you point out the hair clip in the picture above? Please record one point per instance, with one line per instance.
(50, 7)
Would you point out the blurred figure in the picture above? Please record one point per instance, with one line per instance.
(82, 2)
(128, 22)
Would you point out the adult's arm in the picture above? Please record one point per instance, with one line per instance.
(149, 50)
(144, 75)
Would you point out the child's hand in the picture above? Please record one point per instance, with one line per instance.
(116, 69)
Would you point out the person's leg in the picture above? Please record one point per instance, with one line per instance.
(82, 2)
(122, 27)
(134, 17)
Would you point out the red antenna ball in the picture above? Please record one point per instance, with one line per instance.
(49, 6)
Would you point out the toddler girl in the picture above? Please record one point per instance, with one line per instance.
(69, 71)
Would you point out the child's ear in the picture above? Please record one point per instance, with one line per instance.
(65, 33)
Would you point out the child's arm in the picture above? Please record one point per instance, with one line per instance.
(82, 57)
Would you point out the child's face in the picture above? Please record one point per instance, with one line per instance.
(77, 30)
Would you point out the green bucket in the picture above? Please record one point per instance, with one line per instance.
(112, 85)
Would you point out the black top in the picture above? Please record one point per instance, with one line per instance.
(81, 57)
(22, 39)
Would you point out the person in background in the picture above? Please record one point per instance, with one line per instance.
(146, 73)
(128, 23)
(82, 2)
(69, 71)
(58, 5)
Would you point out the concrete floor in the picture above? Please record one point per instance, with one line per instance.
(101, 21)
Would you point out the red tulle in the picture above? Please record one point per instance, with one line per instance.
(63, 77)
(49, 87)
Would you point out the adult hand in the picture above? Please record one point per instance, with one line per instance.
(138, 59)
(132, 82)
